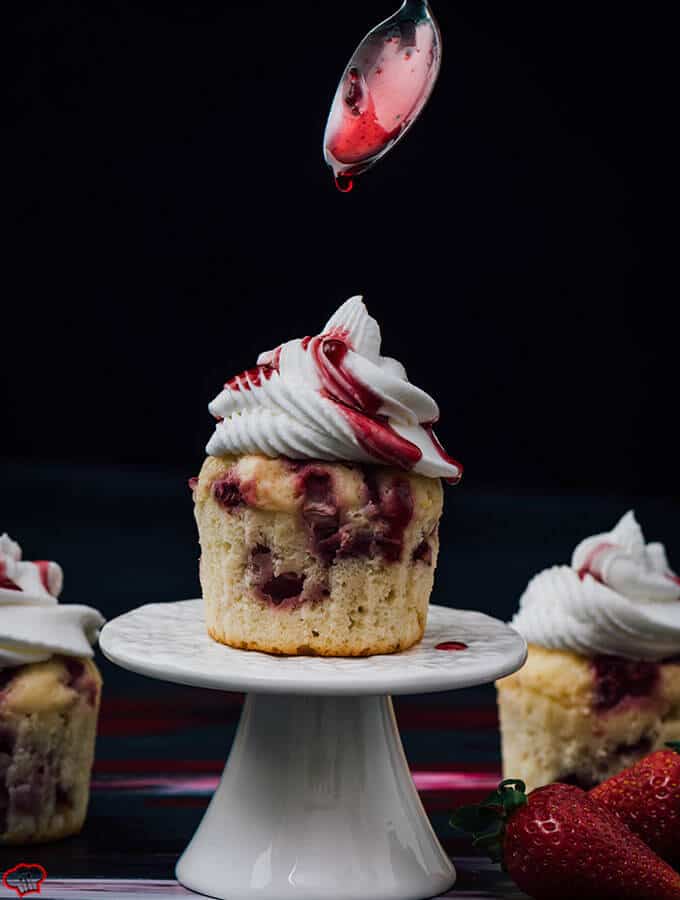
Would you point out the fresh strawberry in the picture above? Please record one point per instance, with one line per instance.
(558, 843)
(646, 798)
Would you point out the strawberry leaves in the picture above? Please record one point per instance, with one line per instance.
(486, 821)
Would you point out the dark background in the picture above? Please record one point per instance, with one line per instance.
(171, 216)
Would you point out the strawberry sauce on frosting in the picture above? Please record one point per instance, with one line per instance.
(33, 625)
(332, 397)
(619, 597)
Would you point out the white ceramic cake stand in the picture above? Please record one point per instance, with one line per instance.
(316, 801)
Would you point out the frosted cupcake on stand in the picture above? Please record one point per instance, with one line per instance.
(601, 687)
(319, 503)
(49, 702)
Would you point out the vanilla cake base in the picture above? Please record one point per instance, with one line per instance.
(317, 558)
(48, 723)
(568, 718)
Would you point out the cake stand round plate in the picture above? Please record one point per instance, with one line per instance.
(169, 641)
(316, 801)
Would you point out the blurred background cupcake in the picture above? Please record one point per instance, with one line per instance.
(49, 702)
(601, 686)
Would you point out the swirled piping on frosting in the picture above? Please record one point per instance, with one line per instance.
(619, 597)
(33, 625)
(332, 397)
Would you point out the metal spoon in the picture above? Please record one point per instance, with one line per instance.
(383, 90)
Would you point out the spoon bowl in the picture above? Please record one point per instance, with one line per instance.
(383, 90)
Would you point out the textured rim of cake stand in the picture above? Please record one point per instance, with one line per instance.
(169, 641)
(316, 801)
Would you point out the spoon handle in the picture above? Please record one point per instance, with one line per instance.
(418, 8)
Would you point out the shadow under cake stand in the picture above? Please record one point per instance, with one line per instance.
(316, 801)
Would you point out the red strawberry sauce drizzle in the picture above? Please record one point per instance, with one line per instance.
(255, 376)
(429, 428)
(43, 568)
(354, 399)
(590, 566)
(451, 646)
(250, 378)
(6, 583)
(360, 406)
(380, 440)
(339, 383)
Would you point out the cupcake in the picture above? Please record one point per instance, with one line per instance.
(319, 503)
(49, 701)
(601, 686)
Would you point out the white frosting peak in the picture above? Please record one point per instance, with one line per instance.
(618, 598)
(33, 625)
(332, 397)
(622, 561)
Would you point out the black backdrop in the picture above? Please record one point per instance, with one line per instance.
(171, 216)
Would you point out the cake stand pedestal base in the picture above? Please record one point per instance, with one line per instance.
(316, 801)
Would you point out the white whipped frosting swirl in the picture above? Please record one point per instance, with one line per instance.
(618, 598)
(332, 397)
(33, 625)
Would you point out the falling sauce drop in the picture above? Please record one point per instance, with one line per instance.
(344, 183)
(451, 646)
